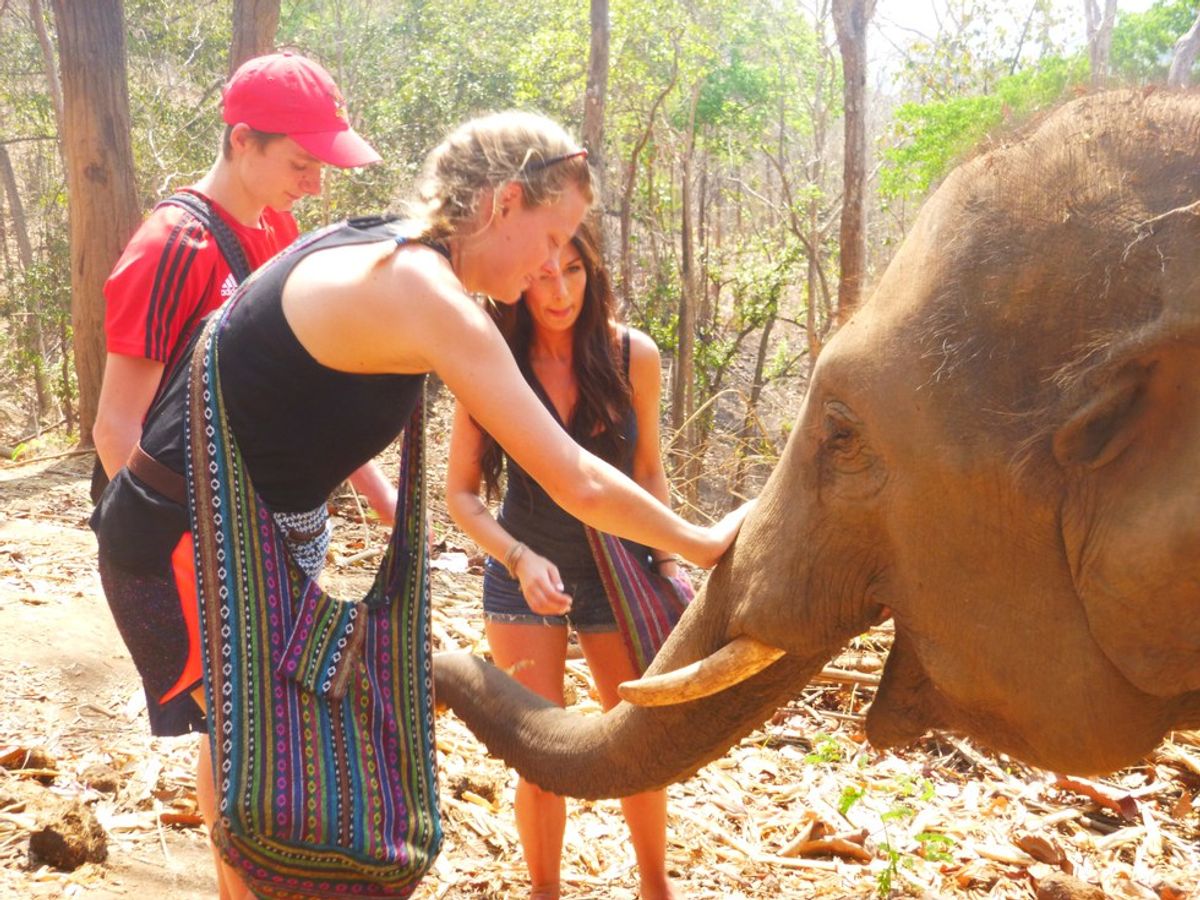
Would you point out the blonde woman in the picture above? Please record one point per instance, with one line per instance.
(323, 360)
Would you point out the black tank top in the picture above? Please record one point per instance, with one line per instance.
(529, 514)
(302, 427)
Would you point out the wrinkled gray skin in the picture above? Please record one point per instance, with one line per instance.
(1003, 447)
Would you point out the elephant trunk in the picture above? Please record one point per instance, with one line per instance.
(764, 596)
(627, 750)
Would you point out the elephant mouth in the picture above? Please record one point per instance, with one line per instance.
(737, 661)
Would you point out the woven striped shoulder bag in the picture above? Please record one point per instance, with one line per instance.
(320, 711)
(645, 604)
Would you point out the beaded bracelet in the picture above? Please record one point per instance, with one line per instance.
(512, 556)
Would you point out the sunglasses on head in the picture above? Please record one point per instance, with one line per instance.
(546, 163)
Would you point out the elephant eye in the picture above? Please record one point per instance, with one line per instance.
(844, 439)
(841, 427)
(838, 435)
(850, 468)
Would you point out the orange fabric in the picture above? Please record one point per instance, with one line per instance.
(183, 565)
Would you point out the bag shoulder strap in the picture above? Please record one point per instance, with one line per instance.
(227, 241)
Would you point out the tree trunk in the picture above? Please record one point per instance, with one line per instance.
(37, 17)
(1099, 38)
(100, 177)
(53, 82)
(850, 19)
(631, 171)
(683, 399)
(29, 334)
(1186, 49)
(8, 180)
(254, 25)
(704, 314)
(750, 419)
(594, 98)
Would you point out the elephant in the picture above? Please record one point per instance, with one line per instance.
(1001, 447)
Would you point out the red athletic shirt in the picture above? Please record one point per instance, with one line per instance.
(172, 273)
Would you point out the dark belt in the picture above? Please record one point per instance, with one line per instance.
(154, 474)
(171, 485)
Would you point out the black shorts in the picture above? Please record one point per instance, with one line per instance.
(149, 616)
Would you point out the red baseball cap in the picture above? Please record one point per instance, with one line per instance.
(283, 93)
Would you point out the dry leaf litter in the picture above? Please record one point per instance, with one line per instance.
(803, 807)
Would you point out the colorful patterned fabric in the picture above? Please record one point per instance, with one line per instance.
(320, 711)
(645, 604)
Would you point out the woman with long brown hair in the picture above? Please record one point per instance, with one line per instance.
(600, 380)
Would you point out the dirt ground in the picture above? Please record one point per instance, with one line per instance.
(802, 808)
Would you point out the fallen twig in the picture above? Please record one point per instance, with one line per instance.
(1124, 805)
(846, 676)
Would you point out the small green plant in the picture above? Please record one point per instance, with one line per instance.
(919, 787)
(906, 786)
(898, 812)
(825, 750)
(850, 796)
(896, 859)
(936, 847)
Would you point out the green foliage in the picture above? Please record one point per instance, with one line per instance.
(177, 57)
(978, 43)
(762, 275)
(896, 859)
(850, 796)
(936, 847)
(825, 750)
(657, 313)
(1142, 42)
(933, 137)
(929, 138)
(734, 96)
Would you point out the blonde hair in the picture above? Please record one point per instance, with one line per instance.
(489, 152)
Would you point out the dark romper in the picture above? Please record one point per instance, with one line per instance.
(530, 515)
(302, 428)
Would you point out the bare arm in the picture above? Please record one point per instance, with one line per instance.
(475, 363)
(539, 577)
(410, 315)
(370, 481)
(125, 394)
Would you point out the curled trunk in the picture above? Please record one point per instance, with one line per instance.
(626, 751)
(763, 589)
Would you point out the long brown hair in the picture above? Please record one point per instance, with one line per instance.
(596, 360)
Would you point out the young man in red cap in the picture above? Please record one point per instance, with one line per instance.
(285, 120)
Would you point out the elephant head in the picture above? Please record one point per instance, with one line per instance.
(1002, 447)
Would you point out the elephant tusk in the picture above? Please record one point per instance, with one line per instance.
(738, 660)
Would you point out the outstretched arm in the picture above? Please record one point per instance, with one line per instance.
(411, 315)
(475, 363)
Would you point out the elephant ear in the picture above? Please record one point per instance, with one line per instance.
(1131, 517)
